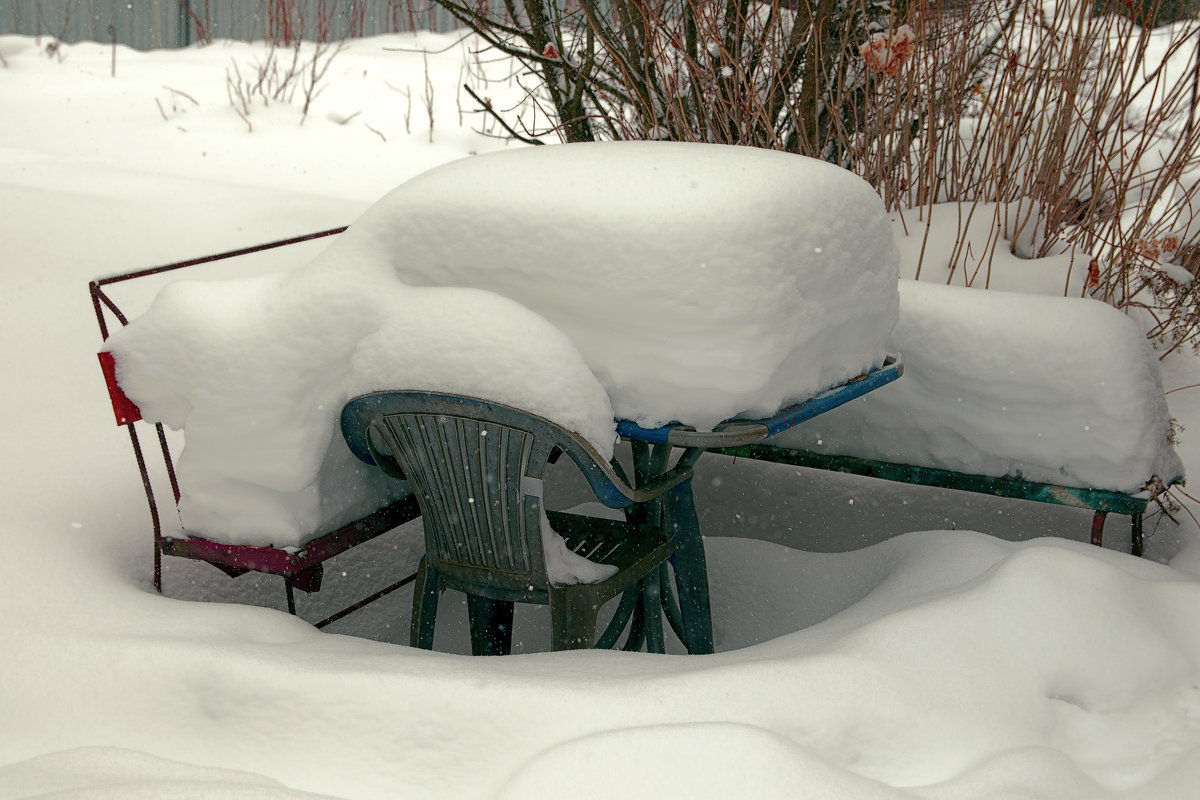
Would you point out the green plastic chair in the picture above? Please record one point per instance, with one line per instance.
(477, 467)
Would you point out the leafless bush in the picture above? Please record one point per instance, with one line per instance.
(290, 21)
(768, 74)
(1081, 131)
(1074, 131)
(426, 97)
(281, 80)
(201, 19)
(175, 98)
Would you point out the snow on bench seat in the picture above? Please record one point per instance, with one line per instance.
(1045, 389)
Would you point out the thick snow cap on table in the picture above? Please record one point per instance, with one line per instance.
(1050, 389)
(693, 281)
(698, 281)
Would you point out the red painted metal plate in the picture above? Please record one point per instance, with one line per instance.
(125, 410)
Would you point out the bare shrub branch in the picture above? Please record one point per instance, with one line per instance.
(1071, 132)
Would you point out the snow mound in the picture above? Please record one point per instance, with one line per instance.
(114, 773)
(694, 281)
(1050, 389)
(256, 373)
(708, 760)
(699, 281)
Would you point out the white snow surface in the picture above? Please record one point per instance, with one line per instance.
(1050, 389)
(698, 281)
(874, 640)
(678, 270)
(256, 372)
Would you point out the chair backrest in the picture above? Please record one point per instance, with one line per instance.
(476, 468)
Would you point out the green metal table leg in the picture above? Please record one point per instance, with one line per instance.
(691, 570)
(678, 510)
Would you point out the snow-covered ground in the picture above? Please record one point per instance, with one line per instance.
(875, 640)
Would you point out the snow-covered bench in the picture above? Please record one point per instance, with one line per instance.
(249, 545)
(1049, 399)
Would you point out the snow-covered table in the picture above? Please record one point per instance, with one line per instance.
(663, 282)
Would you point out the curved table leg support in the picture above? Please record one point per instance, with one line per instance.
(692, 620)
(691, 570)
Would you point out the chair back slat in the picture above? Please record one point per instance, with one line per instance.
(468, 475)
(360, 412)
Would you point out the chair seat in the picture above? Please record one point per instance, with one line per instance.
(636, 552)
(608, 541)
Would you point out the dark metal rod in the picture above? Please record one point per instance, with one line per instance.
(95, 292)
(348, 610)
(1098, 528)
(166, 453)
(145, 473)
(219, 256)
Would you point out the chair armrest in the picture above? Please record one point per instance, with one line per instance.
(662, 484)
(612, 487)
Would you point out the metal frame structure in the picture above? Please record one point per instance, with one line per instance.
(1101, 501)
(302, 569)
(652, 449)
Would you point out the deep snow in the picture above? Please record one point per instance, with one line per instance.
(860, 654)
(668, 282)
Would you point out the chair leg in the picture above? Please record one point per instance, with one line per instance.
(573, 620)
(491, 626)
(425, 602)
